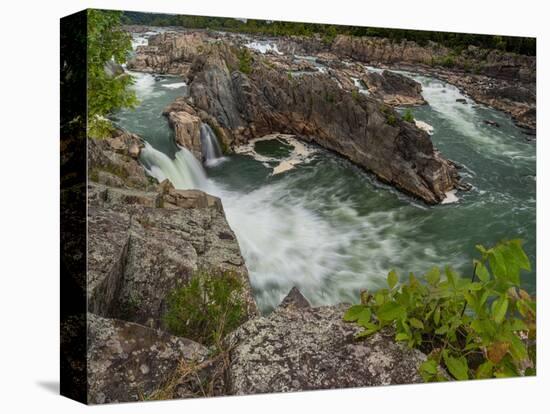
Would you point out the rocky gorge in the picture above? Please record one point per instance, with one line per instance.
(145, 238)
(150, 231)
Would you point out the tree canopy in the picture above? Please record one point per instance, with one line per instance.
(108, 90)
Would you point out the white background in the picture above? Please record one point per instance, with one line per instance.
(29, 216)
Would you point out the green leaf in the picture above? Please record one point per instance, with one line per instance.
(497, 263)
(519, 254)
(402, 336)
(429, 366)
(391, 311)
(458, 367)
(485, 370)
(392, 279)
(364, 317)
(416, 323)
(499, 308)
(481, 272)
(451, 276)
(352, 314)
(437, 315)
(433, 276)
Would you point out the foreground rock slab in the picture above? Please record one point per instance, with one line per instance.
(299, 348)
(129, 362)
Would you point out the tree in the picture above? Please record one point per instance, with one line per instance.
(108, 91)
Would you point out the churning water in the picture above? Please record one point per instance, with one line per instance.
(331, 229)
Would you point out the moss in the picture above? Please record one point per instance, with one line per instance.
(408, 116)
(245, 61)
(355, 95)
(207, 308)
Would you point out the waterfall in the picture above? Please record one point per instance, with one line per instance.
(184, 171)
(211, 150)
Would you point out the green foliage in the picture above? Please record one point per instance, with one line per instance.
(245, 60)
(355, 95)
(408, 116)
(479, 327)
(392, 119)
(107, 92)
(207, 308)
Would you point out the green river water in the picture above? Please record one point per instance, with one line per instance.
(331, 229)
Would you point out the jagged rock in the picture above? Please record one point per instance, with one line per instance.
(130, 362)
(187, 131)
(113, 161)
(299, 348)
(316, 109)
(168, 52)
(394, 89)
(172, 198)
(139, 252)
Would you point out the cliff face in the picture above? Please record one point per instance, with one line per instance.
(145, 239)
(315, 108)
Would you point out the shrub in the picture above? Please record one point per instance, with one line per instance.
(408, 116)
(207, 308)
(392, 120)
(245, 60)
(482, 327)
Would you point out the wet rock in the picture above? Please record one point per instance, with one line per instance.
(394, 89)
(130, 362)
(316, 108)
(299, 348)
(187, 131)
(461, 100)
(491, 123)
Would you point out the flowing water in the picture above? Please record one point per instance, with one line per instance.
(331, 229)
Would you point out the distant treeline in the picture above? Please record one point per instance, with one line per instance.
(457, 41)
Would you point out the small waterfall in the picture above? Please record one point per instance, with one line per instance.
(211, 150)
(185, 172)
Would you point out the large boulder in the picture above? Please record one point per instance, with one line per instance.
(130, 362)
(113, 161)
(187, 131)
(141, 245)
(299, 348)
(168, 52)
(394, 89)
(315, 108)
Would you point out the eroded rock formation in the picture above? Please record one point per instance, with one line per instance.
(299, 347)
(315, 108)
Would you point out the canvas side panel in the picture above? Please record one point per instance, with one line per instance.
(73, 377)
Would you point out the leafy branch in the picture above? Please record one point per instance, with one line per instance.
(483, 327)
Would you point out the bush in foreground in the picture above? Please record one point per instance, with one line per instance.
(207, 308)
(478, 327)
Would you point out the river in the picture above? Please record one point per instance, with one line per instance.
(331, 229)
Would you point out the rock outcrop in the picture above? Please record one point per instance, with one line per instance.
(168, 53)
(394, 89)
(130, 362)
(299, 348)
(145, 239)
(315, 108)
